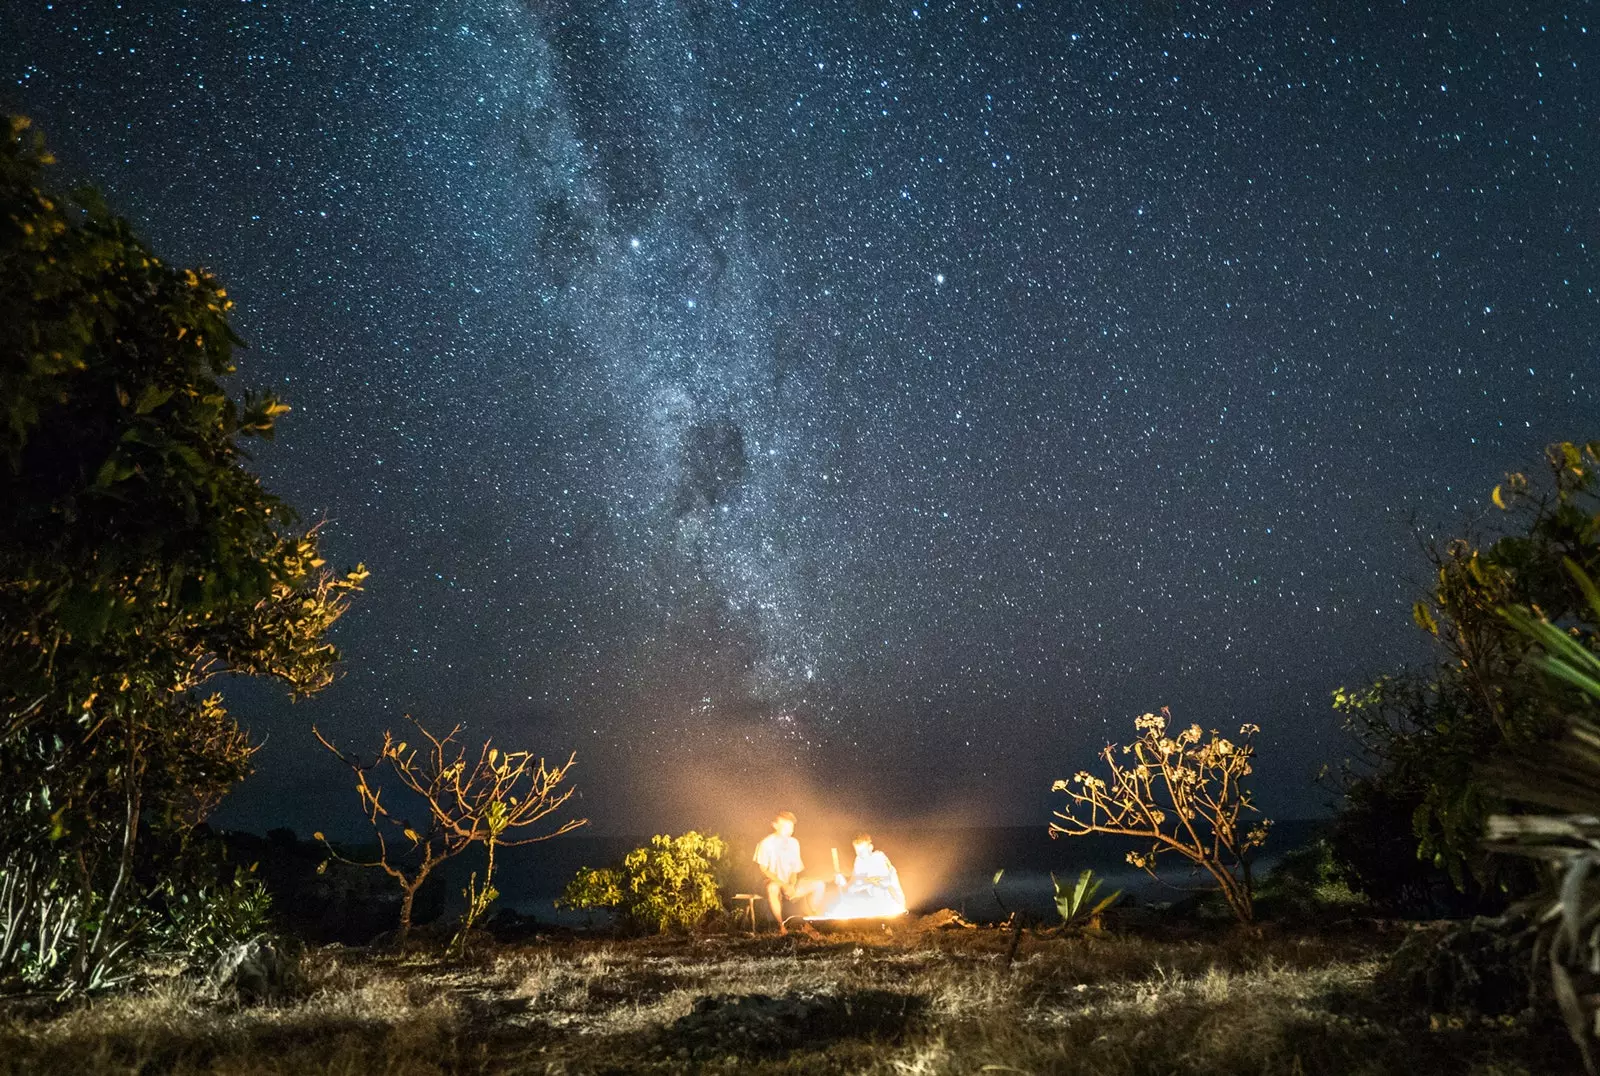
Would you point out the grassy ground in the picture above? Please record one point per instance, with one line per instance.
(931, 1002)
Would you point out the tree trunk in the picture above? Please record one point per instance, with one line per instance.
(93, 950)
(408, 893)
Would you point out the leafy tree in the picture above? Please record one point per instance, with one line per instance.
(1425, 737)
(672, 883)
(1184, 794)
(494, 800)
(140, 558)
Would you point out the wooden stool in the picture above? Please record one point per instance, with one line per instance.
(750, 906)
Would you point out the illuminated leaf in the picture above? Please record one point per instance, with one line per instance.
(151, 398)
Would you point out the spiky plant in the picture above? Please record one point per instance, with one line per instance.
(1565, 779)
(1077, 905)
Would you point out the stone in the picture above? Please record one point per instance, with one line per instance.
(263, 969)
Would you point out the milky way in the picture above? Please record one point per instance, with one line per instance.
(901, 396)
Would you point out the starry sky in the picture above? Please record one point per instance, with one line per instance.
(867, 404)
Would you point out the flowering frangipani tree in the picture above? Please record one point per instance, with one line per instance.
(1180, 794)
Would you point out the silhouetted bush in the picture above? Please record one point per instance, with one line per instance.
(1425, 737)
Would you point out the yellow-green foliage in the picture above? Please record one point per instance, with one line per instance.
(1428, 735)
(140, 560)
(670, 884)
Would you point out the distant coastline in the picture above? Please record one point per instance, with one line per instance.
(941, 866)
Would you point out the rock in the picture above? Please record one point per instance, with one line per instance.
(263, 969)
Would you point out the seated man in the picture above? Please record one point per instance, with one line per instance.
(778, 856)
(873, 874)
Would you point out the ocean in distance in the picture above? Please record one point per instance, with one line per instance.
(942, 867)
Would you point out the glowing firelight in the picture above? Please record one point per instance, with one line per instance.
(862, 899)
(866, 903)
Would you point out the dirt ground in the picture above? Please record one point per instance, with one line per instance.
(931, 1001)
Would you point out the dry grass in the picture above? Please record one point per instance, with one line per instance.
(928, 1004)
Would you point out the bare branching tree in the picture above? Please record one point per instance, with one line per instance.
(496, 800)
(1182, 795)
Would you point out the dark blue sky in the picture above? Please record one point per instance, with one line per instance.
(868, 404)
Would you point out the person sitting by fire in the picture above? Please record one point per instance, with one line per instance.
(778, 856)
(873, 875)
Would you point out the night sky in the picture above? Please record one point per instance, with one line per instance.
(876, 405)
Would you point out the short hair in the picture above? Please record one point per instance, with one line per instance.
(861, 838)
(784, 816)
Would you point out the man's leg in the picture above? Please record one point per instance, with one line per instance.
(813, 893)
(775, 902)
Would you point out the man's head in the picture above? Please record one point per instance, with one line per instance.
(862, 842)
(783, 823)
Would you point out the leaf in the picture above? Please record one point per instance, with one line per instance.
(1106, 903)
(1585, 584)
(112, 471)
(152, 397)
(1567, 1001)
(1424, 618)
(1081, 893)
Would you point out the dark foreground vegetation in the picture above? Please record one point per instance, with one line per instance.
(1448, 923)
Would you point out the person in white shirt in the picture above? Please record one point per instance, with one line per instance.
(778, 856)
(873, 874)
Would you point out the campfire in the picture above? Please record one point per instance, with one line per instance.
(861, 897)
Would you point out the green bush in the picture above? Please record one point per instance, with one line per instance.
(197, 920)
(140, 560)
(1425, 737)
(1307, 882)
(673, 883)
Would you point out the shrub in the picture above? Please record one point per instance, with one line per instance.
(198, 920)
(1183, 794)
(1424, 738)
(494, 800)
(673, 883)
(140, 558)
(1307, 882)
(1563, 776)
